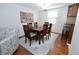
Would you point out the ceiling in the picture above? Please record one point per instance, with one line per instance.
(41, 6)
(31, 5)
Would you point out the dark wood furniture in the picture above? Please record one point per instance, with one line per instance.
(46, 23)
(68, 32)
(44, 32)
(49, 30)
(72, 10)
(35, 25)
(38, 31)
(65, 32)
(30, 25)
(28, 34)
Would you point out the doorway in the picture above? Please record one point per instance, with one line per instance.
(70, 23)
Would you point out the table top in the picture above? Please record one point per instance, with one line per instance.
(38, 29)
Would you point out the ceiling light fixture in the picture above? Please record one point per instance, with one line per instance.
(44, 5)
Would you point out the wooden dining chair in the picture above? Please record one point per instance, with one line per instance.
(46, 23)
(35, 25)
(28, 34)
(30, 25)
(44, 32)
(49, 30)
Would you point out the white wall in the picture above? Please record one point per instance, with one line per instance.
(10, 15)
(74, 47)
(42, 17)
(61, 19)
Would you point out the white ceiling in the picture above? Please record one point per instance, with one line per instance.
(40, 6)
(31, 5)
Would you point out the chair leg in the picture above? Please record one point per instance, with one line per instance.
(43, 39)
(30, 42)
(39, 39)
(48, 36)
(36, 38)
(25, 40)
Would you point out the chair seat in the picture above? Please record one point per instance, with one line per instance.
(32, 34)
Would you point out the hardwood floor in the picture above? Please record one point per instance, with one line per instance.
(60, 48)
(22, 51)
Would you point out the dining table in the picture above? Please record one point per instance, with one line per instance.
(38, 30)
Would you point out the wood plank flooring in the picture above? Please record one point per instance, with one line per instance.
(60, 48)
(22, 51)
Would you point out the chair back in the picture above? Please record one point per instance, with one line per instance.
(30, 25)
(45, 28)
(46, 23)
(26, 30)
(50, 27)
(35, 25)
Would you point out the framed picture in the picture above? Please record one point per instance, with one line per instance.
(26, 17)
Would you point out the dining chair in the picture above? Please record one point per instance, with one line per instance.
(44, 32)
(35, 25)
(46, 23)
(30, 25)
(28, 34)
(49, 30)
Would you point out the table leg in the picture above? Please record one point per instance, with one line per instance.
(39, 38)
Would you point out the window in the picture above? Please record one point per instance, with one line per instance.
(52, 16)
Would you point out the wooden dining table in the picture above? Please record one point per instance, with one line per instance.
(38, 30)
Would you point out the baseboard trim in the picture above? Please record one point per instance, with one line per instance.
(55, 32)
